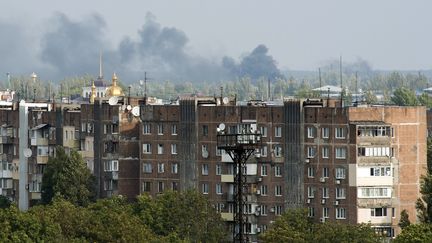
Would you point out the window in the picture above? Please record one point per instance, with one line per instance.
(204, 169)
(263, 209)
(377, 131)
(146, 186)
(340, 213)
(277, 150)
(263, 131)
(218, 189)
(325, 172)
(161, 167)
(147, 168)
(311, 132)
(325, 192)
(205, 130)
(204, 151)
(325, 152)
(380, 171)
(205, 188)
(146, 148)
(218, 151)
(311, 212)
(278, 210)
(374, 151)
(173, 129)
(160, 149)
(160, 129)
(325, 132)
(278, 171)
(173, 148)
(340, 153)
(263, 170)
(278, 132)
(311, 152)
(174, 168)
(340, 132)
(218, 169)
(161, 186)
(111, 165)
(146, 128)
(378, 212)
(311, 192)
(278, 190)
(340, 193)
(340, 173)
(325, 213)
(174, 186)
(311, 172)
(264, 190)
(374, 192)
(263, 151)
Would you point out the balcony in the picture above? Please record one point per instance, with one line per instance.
(35, 195)
(375, 181)
(42, 159)
(227, 216)
(39, 142)
(71, 143)
(5, 140)
(227, 178)
(5, 174)
(374, 202)
(229, 197)
(370, 140)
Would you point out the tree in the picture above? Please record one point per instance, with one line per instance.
(424, 204)
(295, 226)
(370, 97)
(404, 97)
(404, 219)
(187, 215)
(415, 233)
(67, 176)
(425, 100)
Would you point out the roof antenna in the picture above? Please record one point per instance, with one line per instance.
(340, 73)
(319, 73)
(100, 65)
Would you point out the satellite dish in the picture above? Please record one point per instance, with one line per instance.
(128, 107)
(221, 127)
(225, 100)
(136, 111)
(205, 154)
(27, 153)
(113, 100)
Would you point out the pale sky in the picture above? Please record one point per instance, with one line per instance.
(300, 35)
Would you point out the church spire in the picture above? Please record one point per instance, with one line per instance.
(100, 66)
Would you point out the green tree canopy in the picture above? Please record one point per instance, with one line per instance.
(404, 97)
(187, 215)
(67, 176)
(415, 233)
(404, 219)
(295, 226)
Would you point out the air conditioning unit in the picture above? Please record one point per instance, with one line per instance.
(307, 161)
(272, 210)
(258, 155)
(323, 201)
(336, 203)
(322, 220)
(258, 229)
(259, 179)
(258, 192)
(308, 201)
(338, 181)
(322, 179)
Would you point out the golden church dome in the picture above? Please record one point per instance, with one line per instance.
(114, 90)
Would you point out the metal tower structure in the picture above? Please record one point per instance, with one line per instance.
(239, 146)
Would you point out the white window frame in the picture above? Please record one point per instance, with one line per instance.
(147, 148)
(340, 193)
(340, 133)
(278, 190)
(325, 132)
(161, 167)
(173, 148)
(205, 169)
(311, 152)
(219, 189)
(264, 171)
(278, 131)
(277, 150)
(146, 128)
(340, 213)
(147, 168)
(174, 168)
(325, 192)
(325, 213)
(205, 188)
(218, 169)
(160, 148)
(311, 172)
(340, 153)
(325, 152)
(174, 129)
(311, 132)
(264, 190)
(160, 129)
(311, 192)
(340, 173)
(263, 131)
(278, 171)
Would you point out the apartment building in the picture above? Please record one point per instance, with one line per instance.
(363, 164)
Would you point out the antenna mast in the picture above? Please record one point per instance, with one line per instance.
(340, 73)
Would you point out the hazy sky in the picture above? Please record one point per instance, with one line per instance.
(390, 34)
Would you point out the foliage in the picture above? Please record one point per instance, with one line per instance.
(4, 202)
(67, 176)
(187, 215)
(404, 219)
(425, 100)
(424, 204)
(295, 226)
(404, 97)
(370, 97)
(415, 233)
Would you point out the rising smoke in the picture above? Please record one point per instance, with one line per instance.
(71, 48)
